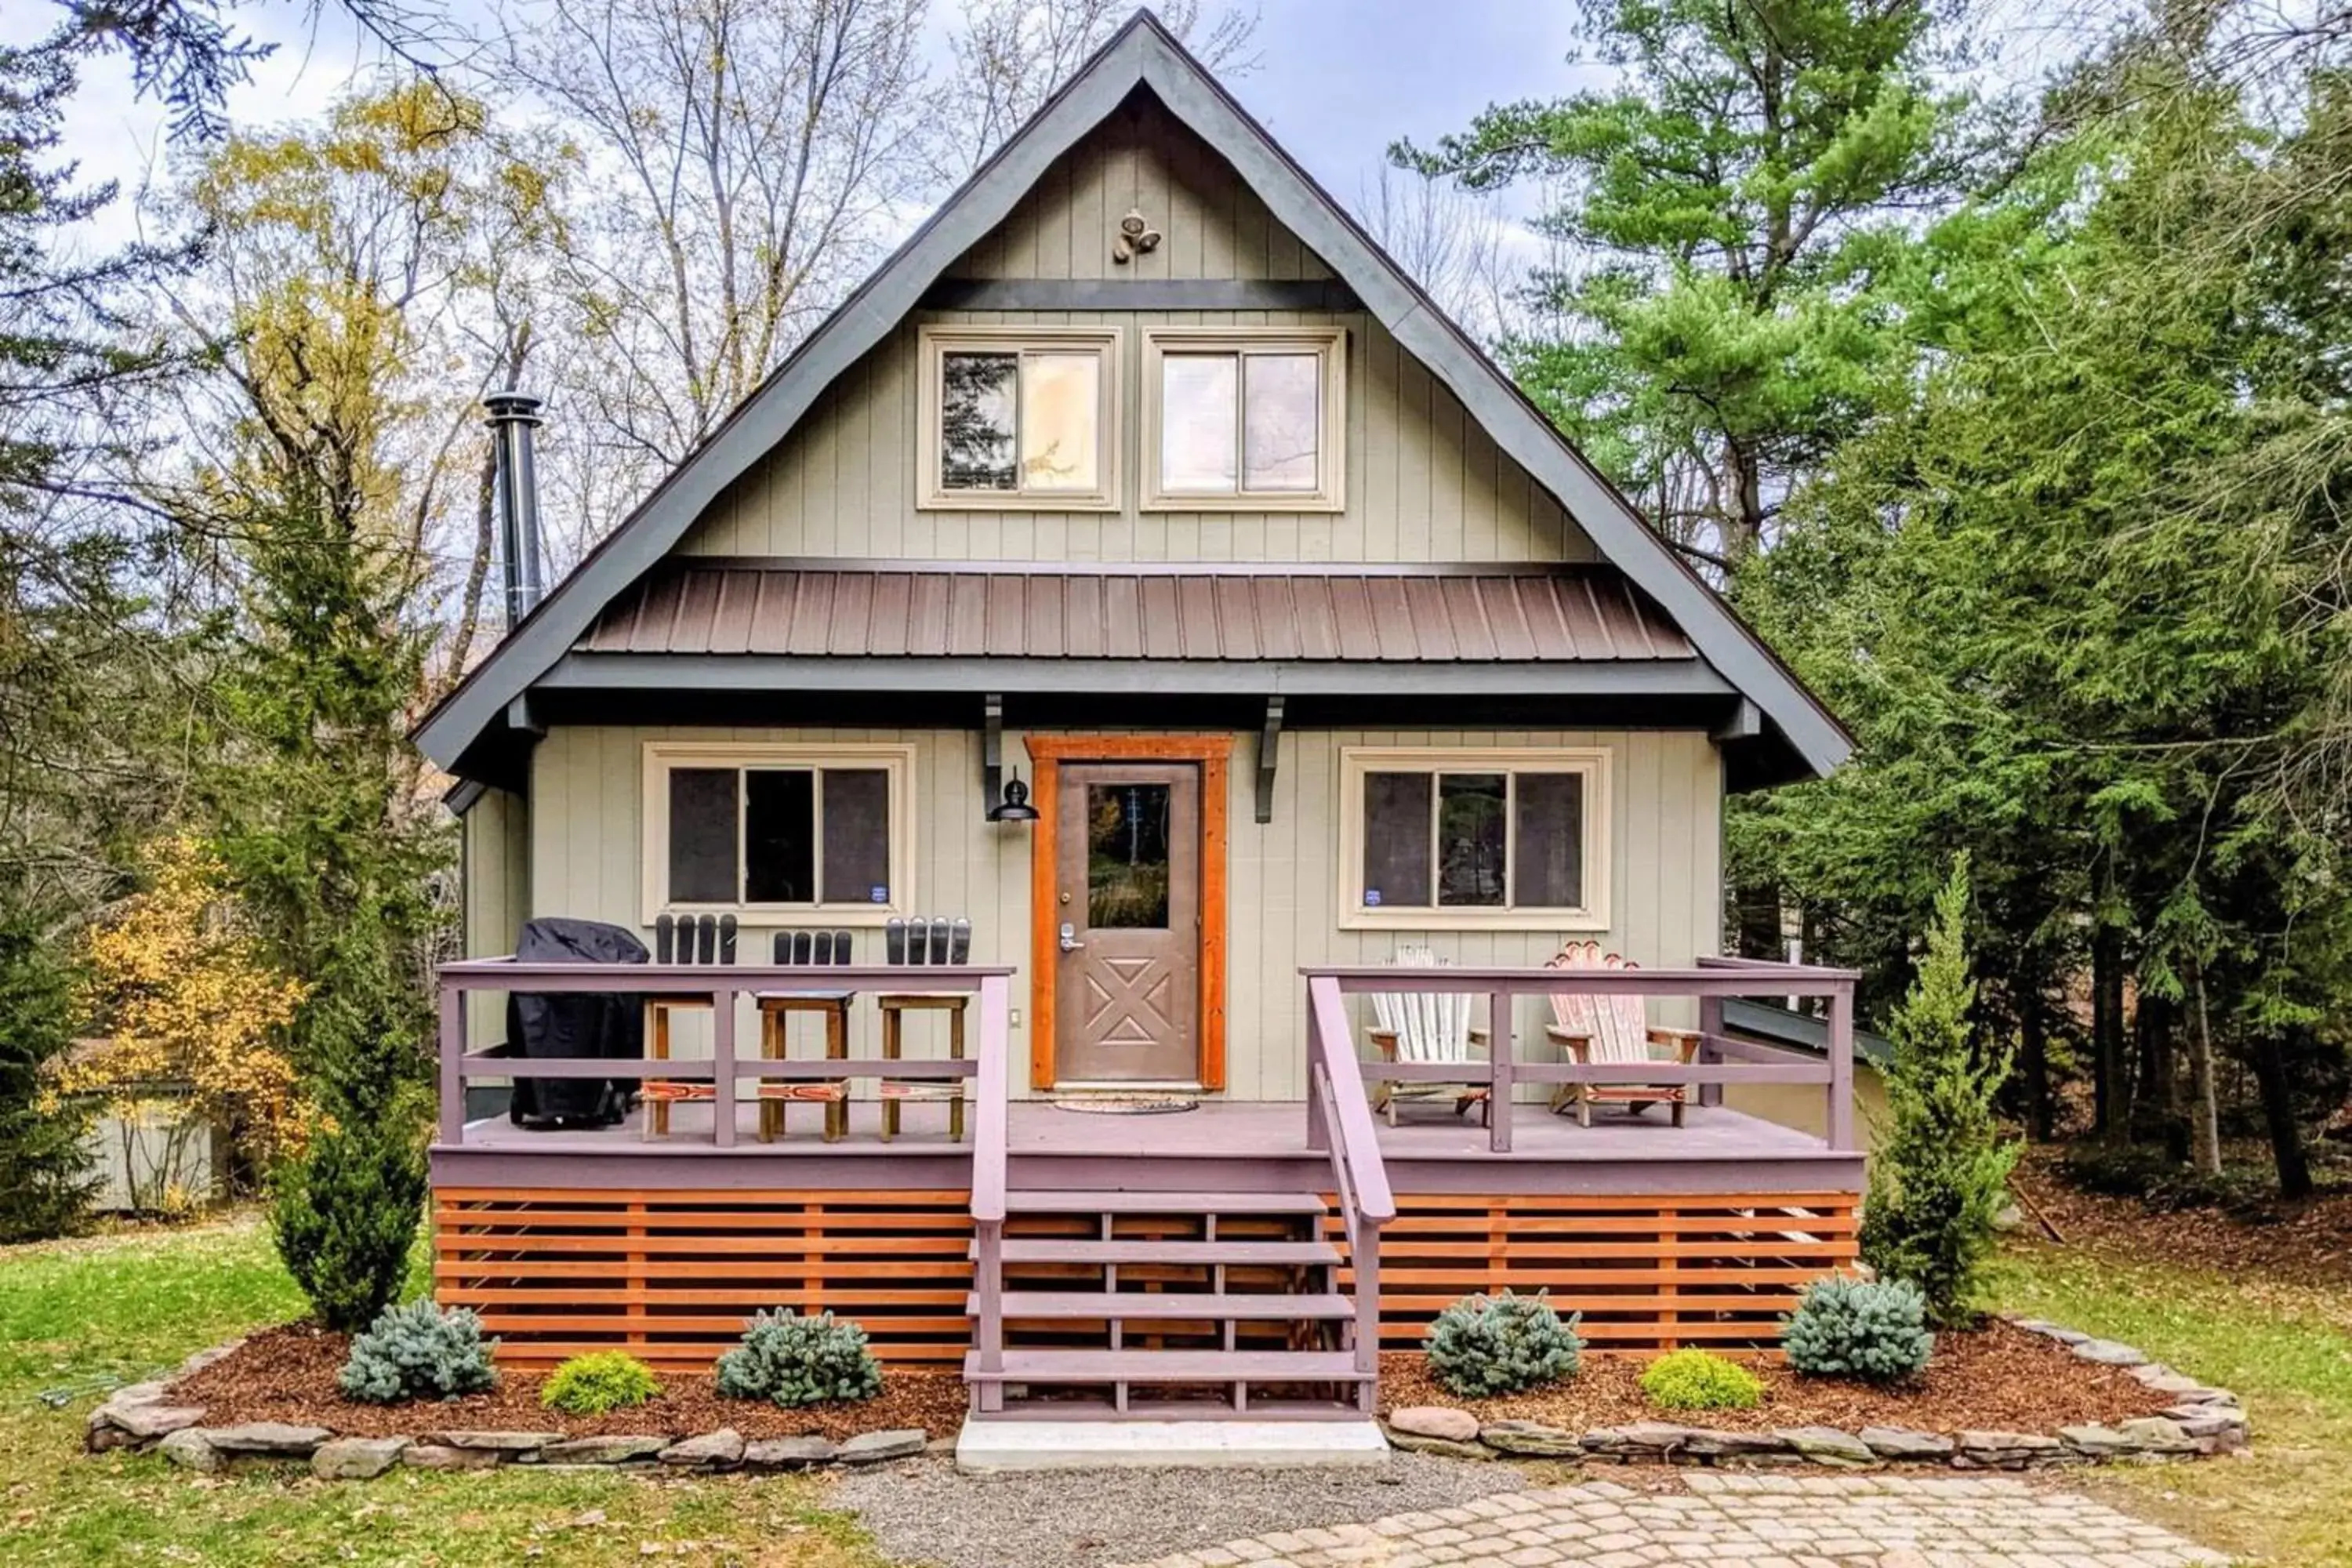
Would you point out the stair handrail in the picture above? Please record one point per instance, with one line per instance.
(992, 1092)
(1341, 1121)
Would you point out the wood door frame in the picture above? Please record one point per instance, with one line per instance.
(1213, 755)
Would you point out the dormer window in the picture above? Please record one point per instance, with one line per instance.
(1240, 419)
(1021, 418)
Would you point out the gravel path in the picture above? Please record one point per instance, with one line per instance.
(927, 1513)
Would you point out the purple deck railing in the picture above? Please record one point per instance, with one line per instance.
(1722, 1059)
(721, 985)
(1340, 1121)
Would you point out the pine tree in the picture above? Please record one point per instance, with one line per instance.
(45, 1181)
(1941, 1170)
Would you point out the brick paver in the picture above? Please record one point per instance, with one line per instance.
(1735, 1521)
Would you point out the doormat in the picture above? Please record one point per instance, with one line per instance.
(1128, 1104)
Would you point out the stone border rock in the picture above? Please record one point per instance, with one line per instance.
(2201, 1420)
(143, 1417)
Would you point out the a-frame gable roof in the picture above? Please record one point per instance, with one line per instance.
(1141, 55)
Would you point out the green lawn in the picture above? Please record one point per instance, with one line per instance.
(2287, 1351)
(79, 1318)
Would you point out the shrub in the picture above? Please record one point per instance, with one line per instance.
(594, 1383)
(345, 1215)
(1940, 1176)
(418, 1351)
(791, 1360)
(1871, 1330)
(1500, 1344)
(1694, 1380)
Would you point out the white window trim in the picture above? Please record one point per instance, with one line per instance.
(1594, 763)
(661, 756)
(937, 342)
(1329, 342)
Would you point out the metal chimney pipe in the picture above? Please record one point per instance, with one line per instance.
(513, 417)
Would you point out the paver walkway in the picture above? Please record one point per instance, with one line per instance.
(1736, 1521)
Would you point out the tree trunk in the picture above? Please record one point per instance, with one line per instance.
(1755, 908)
(2107, 1030)
(2034, 1057)
(2278, 1117)
(2205, 1127)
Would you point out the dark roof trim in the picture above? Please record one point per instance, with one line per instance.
(1113, 677)
(463, 796)
(1142, 54)
(1798, 1031)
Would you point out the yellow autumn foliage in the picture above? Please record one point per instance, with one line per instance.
(182, 994)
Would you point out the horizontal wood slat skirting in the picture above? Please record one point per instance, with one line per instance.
(1647, 1273)
(671, 1276)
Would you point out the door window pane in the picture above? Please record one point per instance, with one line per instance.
(702, 836)
(1283, 421)
(1127, 856)
(1396, 840)
(1061, 400)
(1548, 845)
(1470, 838)
(856, 836)
(976, 421)
(1198, 405)
(779, 836)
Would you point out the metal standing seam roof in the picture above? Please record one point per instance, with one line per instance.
(1563, 615)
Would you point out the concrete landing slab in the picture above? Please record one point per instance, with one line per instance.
(997, 1446)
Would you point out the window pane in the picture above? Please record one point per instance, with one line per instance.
(976, 421)
(1198, 401)
(856, 836)
(1396, 840)
(702, 836)
(1547, 852)
(1061, 397)
(1283, 424)
(1470, 839)
(779, 840)
(1127, 856)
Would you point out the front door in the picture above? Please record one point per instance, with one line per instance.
(1128, 910)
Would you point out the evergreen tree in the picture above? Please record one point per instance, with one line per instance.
(1942, 1169)
(45, 1180)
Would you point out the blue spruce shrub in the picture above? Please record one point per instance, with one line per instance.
(1484, 1345)
(789, 1360)
(1874, 1330)
(418, 1351)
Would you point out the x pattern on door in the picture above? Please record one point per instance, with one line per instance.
(1139, 1010)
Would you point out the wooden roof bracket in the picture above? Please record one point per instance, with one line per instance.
(1269, 753)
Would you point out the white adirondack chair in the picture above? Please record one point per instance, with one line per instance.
(1425, 1027)
(1595, 1028)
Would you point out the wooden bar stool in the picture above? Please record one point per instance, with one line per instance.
(680, 939)
(924, 941)
(776, 1007)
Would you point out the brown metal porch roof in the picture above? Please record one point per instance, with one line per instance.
(1442, 613)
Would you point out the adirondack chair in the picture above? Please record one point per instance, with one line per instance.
(1613, 1029)
(1425, 1027)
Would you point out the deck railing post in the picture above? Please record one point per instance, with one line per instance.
(453, 1063)
(1365, 1250)
(722, 1065)
(1840, 1121)
(1710, 1029)
(1318, 1132)
(1499, 1063)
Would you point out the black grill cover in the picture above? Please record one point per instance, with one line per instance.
(575, 1024)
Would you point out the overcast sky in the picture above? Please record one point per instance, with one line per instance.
(1335, 80)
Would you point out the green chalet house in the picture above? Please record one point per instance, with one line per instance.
(1176, 826)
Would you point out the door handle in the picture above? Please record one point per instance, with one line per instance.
(1069, 938)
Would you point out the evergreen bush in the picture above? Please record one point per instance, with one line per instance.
(1499, 1344)
(1694, 1380)
(1940, 1174)
(601, 1381)
(418, 1351)
(1867, 1329)
(345, 1214)
(789, 1360)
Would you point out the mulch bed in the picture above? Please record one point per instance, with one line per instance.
(289, 1374)
(1997, 1378)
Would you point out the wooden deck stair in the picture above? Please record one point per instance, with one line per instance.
(1164, 1303)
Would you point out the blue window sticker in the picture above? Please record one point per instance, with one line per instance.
(879, 894)
(1371, 897)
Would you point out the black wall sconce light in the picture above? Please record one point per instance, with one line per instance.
(1001, 799)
